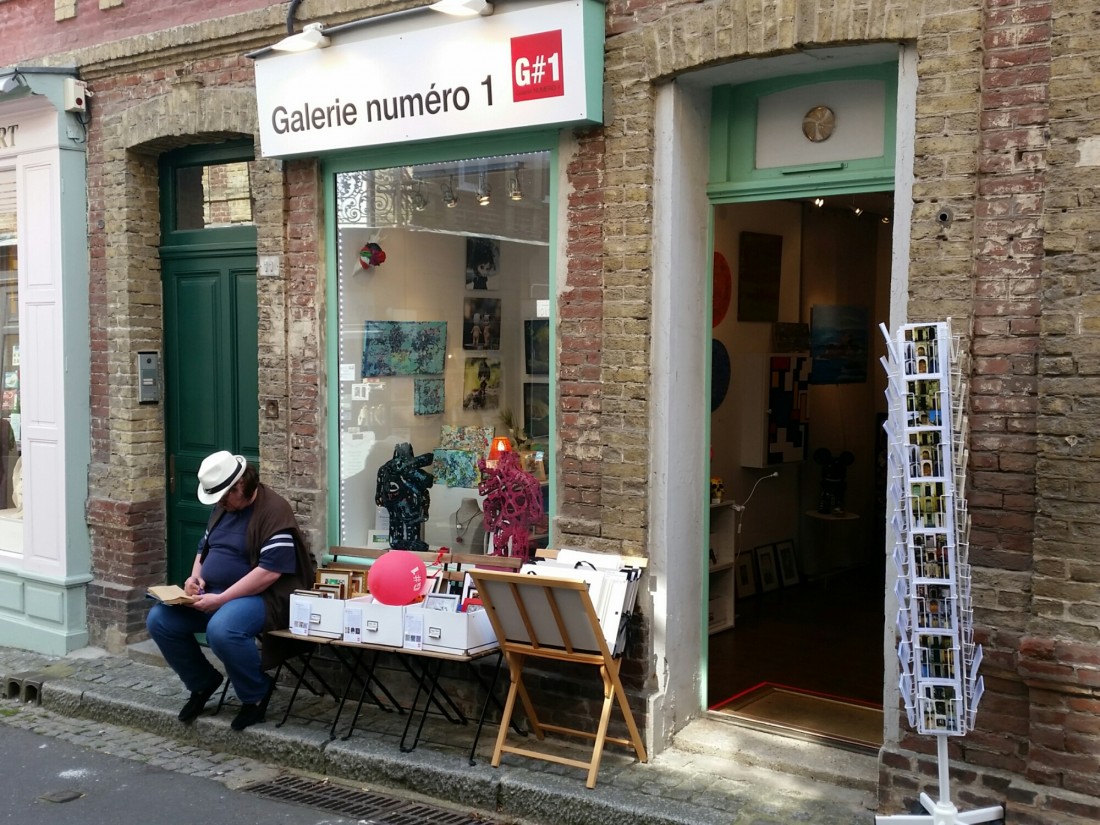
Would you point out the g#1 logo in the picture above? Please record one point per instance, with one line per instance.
(537, 70)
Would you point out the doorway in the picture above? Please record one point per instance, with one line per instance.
(797, 540)
(208, 259)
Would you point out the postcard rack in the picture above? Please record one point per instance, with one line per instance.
(543, 617)
(926, 465)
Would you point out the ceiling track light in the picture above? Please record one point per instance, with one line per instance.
(450, 199)
(484, 191)
(419, 199)
(515, 191)
(819, 202)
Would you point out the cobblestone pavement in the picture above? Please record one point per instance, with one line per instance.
(126, 708)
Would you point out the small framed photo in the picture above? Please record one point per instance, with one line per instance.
(786, 562)
(745, 577)
(443, 602)
(765, 566)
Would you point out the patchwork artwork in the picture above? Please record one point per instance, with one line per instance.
(404, 347)
(471, 439)
(428, 397)
(455, 468)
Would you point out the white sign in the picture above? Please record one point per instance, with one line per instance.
(434, 76)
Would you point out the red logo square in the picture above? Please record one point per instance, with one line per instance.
(537, 70)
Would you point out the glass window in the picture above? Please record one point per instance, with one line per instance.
(444, 341)
(213, 196)
(11, 466)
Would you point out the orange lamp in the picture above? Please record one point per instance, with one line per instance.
(500, 445)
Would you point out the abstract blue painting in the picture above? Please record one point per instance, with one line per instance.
(427, 396)
(404, 348)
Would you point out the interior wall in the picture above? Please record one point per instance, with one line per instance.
(773, 509)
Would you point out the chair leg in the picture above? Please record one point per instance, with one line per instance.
(221, 699)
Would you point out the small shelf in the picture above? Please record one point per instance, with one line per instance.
(723, 558)
(722, 565)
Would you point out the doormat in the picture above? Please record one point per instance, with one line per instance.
(804, 714)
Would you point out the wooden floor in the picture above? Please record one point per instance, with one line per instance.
(823, 636)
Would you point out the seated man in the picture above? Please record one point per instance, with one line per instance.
(250, 559)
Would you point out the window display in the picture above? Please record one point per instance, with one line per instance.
(11, 475)
(443, 276)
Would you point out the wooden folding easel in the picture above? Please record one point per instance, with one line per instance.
(549, 618)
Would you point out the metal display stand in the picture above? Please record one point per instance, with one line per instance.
(939, 661)
(542, 617)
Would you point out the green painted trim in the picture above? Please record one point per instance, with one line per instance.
(594, 15)
(733, 179)
(233, 151)
(703, 553)
(414, 155)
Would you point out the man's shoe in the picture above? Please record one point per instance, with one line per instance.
(198, 701)
(250, 714)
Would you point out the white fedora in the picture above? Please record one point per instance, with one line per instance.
(217, 474)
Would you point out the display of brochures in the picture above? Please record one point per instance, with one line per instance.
(926, 465)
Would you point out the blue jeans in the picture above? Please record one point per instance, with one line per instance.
(231, 632)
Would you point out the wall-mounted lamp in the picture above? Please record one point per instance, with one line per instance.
(14, 82)
(885, 219)
(484, 191)
(515, 191)
(419, 199)
(464, 8)
(857, 211)
(450, 199)
(311, 37)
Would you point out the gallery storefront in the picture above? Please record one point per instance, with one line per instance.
(44, 549)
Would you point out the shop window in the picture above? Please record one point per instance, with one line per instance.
(209, 197)
(444, 339)
(11, 465)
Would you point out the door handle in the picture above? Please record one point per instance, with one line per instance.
(172, 474)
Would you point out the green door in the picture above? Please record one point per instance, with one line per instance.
(211, 392)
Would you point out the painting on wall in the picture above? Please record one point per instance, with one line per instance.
(838, 344)
(481, 384)
(404, 347)
(428, 397)
(536, 340)
(471, 439)
(759, 271)
(455, 468)
(481, 323)
(482, 262)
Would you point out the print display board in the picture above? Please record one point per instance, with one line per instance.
(926, 465)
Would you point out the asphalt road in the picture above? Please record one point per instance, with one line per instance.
(108, 790)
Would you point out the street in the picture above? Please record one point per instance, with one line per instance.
(59, 769)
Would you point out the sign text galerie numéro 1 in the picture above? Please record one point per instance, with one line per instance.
(393, 83)
(537, 73)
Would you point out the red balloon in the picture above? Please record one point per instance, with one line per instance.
(398, 577)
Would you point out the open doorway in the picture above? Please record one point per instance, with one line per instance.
(797, 457)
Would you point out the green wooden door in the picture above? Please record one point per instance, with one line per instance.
(210, 354)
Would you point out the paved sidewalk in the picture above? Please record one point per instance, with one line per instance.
(716, 773)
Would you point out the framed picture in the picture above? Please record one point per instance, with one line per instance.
(745, 579)
(759, 269)
(765, 566)
(480, 323)
(786, 562)
(536, 346)
(536, 409)
(482, 262)
(443, 602)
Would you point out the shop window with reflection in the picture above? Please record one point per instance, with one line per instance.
(11, 464)
(444, 344)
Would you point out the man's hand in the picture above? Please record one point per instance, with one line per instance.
(209, 602)
(194, 585)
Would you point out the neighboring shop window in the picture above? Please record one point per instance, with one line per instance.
(444, 333)
(11, 465)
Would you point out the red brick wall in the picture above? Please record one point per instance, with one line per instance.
(30, 30)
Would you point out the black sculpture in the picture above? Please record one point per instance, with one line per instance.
(834, 479)
(403, 489)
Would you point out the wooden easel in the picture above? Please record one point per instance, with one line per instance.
(548, 618)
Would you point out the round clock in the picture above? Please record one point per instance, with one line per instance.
(818, 124)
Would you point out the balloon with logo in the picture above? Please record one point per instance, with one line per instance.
(398, 577)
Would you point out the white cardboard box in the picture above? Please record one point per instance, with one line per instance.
(368, 621)
(447, 632)
(315, 616)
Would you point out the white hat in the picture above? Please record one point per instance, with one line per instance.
(217, 474)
